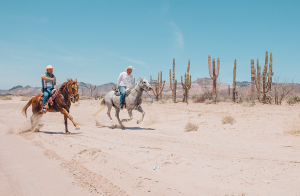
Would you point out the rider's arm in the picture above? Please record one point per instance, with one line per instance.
(119, 79)
(45, 78)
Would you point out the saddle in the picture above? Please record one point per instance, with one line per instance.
(50, 99)
(127, 92)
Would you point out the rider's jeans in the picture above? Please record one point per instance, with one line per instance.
(47, 92)
(122, 94)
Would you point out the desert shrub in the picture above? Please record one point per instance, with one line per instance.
(191, 127)
(207, 101)
(162, 101)
(228, 120)
(6, 98)
(23, 98)
(84, 98)
(200, 98)
(293, 99)
(293, 127)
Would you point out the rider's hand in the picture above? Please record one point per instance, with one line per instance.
(52, 79)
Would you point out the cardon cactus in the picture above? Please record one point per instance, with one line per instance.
(157, 90)
(252, 82)
(265, 86)
(234, 82)
(187, 84)
(173, 84)
(214, 75)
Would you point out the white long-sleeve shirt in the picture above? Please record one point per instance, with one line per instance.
(125, 79)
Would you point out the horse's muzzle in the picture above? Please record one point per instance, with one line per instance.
(76, 97)
(149, 88)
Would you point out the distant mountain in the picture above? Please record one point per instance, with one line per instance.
(84, 88)
(20, 90)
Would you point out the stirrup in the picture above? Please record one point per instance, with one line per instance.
(44, 110)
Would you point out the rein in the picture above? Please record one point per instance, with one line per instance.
(67, 90)
(141, 89)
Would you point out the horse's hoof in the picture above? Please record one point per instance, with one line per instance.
(138, 122)
(77, 128)
(68, 133)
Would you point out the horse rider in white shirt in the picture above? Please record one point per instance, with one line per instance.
(123, 82)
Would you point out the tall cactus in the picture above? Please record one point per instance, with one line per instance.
(257, 81)
(160, 83)
(214, 75)
(157, 91)
(266, 86)
(187, 84)
(252, 82)
(173, 86)
(234, 82)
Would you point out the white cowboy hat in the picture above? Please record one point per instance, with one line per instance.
(49, 67)
(129, 67)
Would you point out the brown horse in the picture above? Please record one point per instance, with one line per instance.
(67, 93)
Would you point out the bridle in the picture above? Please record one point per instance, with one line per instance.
(72, 97)
(142, 89)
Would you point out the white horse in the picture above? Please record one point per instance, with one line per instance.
(133, 102)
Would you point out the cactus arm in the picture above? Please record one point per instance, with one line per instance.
(182, 82)
(218, 67)
(209, 66)
(171, 84)
(162, 87)
(257, 77)
(214, 70)
(270, 74)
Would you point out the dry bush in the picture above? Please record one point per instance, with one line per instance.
(84, 98)
(207, 101)
(293, 127)
(191, 127)
(23, 98)
(228, 120)
(162, 101)
(293, 99)
(6, 98)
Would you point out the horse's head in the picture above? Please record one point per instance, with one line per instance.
(144, 84)
(72, 89)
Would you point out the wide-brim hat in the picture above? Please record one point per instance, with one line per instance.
(129, 67)
(49, 67)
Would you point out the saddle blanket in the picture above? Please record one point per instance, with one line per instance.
(51, 97)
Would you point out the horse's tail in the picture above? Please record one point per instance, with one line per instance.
(102, 104)
(24, 110)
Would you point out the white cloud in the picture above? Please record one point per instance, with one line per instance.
(133, 61)
(178, 35)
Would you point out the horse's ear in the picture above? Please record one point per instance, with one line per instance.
(76, 80)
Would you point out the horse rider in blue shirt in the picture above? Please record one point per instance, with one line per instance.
(48, 83)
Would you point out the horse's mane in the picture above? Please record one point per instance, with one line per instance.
(65, 84)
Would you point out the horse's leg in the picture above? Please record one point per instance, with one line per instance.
(130, 115)
(35, 120)
(67, 115)
(143, 114)
(108, 114)
(66, 124)
(117, 116)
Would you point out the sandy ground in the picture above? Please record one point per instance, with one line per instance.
(254, 156)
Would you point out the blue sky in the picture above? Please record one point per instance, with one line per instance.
(94, 41)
